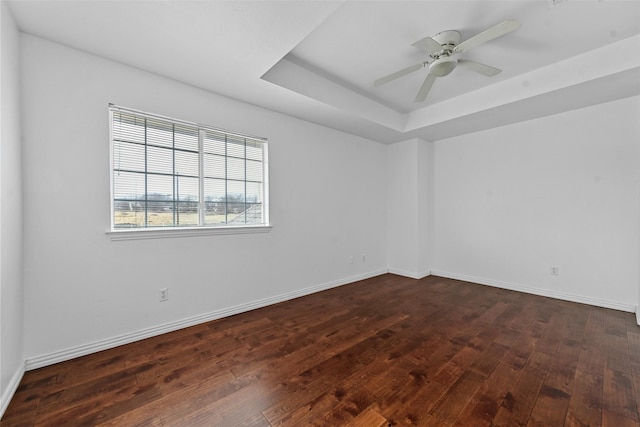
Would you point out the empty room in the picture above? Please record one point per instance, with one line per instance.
(329, 213)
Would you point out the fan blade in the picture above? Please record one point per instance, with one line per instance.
(428, 44)
(425, 88)
(398, 74)
(485, 70)
(489, 34)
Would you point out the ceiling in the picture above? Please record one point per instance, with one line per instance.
(317, 60)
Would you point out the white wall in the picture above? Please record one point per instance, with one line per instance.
(426, 199)
(560, 191)
(81, 288)
(409, 202)
(498, 207)
(11, 291)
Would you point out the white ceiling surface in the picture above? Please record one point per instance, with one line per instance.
(317, 60)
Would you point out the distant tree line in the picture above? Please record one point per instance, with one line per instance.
(157, 202)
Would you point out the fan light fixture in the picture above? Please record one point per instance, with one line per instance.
(442, 66)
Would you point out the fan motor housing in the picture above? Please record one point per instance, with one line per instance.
(448, 39)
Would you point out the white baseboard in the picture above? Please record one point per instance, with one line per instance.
(638, 315)
(10, 390)
(410, 274)
(537, 291)
(82, 350)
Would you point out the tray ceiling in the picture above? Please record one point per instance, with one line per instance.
(317, 60)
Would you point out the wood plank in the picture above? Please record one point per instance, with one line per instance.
(518, 403)
(456, 366)
(397, 384)
(485, 403)
(89, 397)
(613, 419)
(490, 359)
(619, 396)
(416, 409)
(550, 407)
(521, 350)
(449, 407)
(615, 323)
(539, 363)
(563, 370)
(585, 404)
(368, 418)
(94, 413)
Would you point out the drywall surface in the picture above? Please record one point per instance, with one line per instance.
(327, 191)
(425, 205)
(561, 191)
(11, 291)
(409, 187)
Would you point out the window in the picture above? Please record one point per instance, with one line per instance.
(171, 174)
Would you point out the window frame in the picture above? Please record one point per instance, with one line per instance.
(155, 232)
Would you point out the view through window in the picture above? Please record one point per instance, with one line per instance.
(170, 173)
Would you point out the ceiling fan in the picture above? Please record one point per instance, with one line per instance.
(442, 49)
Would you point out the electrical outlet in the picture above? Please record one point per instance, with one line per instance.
(554, 271)
(164, 294)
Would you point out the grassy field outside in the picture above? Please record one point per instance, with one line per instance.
(165, 219)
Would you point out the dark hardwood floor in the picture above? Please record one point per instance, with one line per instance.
(387, 351)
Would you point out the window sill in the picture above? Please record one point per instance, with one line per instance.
(163, 233)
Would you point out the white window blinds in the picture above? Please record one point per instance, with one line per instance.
(170, 173)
